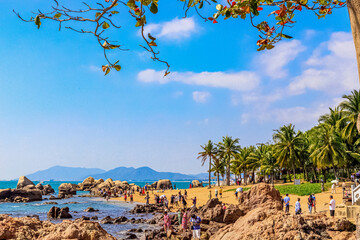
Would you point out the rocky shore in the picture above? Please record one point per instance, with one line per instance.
(258, 215)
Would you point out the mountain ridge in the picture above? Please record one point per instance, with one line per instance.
(61, 173)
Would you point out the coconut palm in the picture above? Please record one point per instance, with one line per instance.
(269, 163)
(241, 161)
(209, 152)
(227, 150)
(218, 167)
(328, 147)
(351, 109)
(287, 147)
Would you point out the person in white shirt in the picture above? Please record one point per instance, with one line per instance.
(333, 189)
(332, 206)
(297, 207)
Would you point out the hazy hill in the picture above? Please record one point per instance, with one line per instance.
(121, 173)
(64, 173)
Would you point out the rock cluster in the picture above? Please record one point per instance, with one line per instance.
(196, 183)
(95, 186)
(151, 208)
(56, 212)
(66, 190)
(45, 189)
(33, 228)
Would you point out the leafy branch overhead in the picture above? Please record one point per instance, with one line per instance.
(99, 19)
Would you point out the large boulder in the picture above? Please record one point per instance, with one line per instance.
(33, 228)
(24, 182)
(16, 195)
(196, 183)
(56, 212)
(164, 184)
(45, 190)
(67, 190)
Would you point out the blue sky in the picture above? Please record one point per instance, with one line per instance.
(57, 108)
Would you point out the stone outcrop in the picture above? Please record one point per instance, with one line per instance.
(45, 189)
(67, 190)
(33, 228)
(196, 183)
(24, 182)
(162, 184)
(56, 212)
(19, 195)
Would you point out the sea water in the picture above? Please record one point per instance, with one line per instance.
(78, 204)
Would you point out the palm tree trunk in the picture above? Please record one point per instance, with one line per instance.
(289, 175)
(354, 13)
(218, 178)
(210, 172)
(335, 173)
(314, 170)
(245, 181)
(228, 173)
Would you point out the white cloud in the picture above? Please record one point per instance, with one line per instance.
(178, 94)
(239, 81)
(332, 68)
(201, 97)
(175, 29)
(273, 62)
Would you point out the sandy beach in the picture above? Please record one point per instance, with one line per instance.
(202, 195)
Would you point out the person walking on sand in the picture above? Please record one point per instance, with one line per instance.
(333, 188)
(310, 203)
(287, 203)
(195, 226)
(131, 198)
(216, 193)
(210, 195)
(220, 192)
(194, 202)
(185, 194)
(147, 198)
(184, 202)
(167, 222)
(297, 207)
(332, 206)
(236, 194)
(314, 202)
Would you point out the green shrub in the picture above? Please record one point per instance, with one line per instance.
(302, 189)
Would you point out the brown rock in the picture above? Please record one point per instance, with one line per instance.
(32, 228)
(23, 182)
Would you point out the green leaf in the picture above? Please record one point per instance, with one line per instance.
(37, 21)
(269, 46)
(58, 15)
(117, 67)
(286, 36)
(153, 8)
(131, 4)
(105, 25)
(151, 37)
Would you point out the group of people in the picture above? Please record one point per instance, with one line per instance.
(185, 221)
(217, 193)
(311, 202)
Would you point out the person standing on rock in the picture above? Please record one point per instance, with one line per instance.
(180, 214)
(220, 192)
(185, 220)
(332, 206)
(167, 222)
(195, 226)
(287, 203)
(297, 207)
(131, 198)
(184, 202)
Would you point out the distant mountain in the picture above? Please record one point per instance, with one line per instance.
(142, 174)
(121, 173)
(64, 173)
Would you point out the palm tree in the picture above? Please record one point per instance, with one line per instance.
(208, 153)
(241, 161)
(227, 150)
(328, 148)
(351, 110)
(287, 147)
(268, 162)
(218, 167)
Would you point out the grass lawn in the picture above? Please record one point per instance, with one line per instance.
(302, 189)
(234, 189)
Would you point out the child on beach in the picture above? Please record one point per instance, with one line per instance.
(167, 222)
(297, 207)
